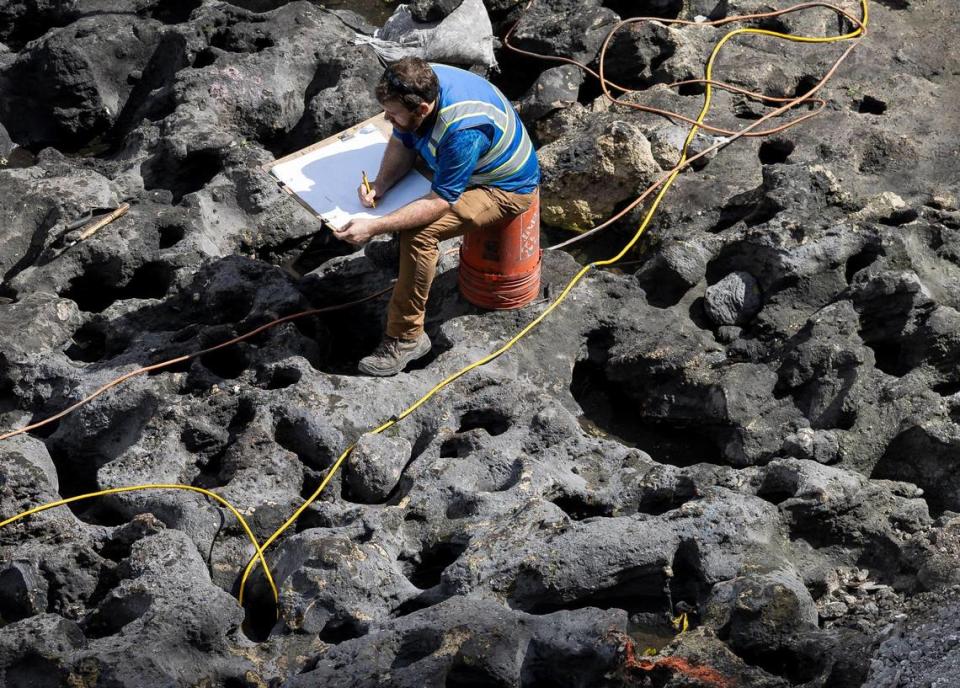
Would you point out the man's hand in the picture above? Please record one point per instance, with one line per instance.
(358, 232)
(367, 199)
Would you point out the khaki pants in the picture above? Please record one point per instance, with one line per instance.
(419, 252)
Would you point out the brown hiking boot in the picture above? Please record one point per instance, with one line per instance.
(393, 355)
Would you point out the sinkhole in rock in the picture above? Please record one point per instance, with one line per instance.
(804, 85)
(947, 388)
(861, 260)
(89, 344)
(416, 645)
(493, 421)
(171, 235)
(464, 673)
(340, 630)
(33, 671)
(888, 356)
(181, 177)
(664, 9)
(175, 12)
(688, 584)
(93, 293)
(228, 363)
(775, 151)
(297, 435)
(93, 342)
(115, 613)
(929, 462)
(579, 507)
(260, 609)
(235, 42)
(871, 106)
(638, 589)
(258, 5)
(205, 58)
(694, 89)
(610, 410)
(457, 447)
(16, 583)
(280, 377)
(425, 568)
(345, 336)
(77, 475)
(660, 501)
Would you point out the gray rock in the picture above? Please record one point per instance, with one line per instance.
(816, 445)
(83, 96)
(375, 465)
(565, 28)
(734, 300)
(23, 591)
(556, 88)
(38, 650)
(6, 143)
(432, 10)
(588, 172)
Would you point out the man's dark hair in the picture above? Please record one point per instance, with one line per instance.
(409, 81)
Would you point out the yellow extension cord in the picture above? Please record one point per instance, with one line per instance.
(161, 486)
(259, 549)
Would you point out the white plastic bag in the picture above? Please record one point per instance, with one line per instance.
(464, 37)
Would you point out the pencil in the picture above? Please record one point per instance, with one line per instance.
(366, 185)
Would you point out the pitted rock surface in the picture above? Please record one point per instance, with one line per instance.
(750, 424)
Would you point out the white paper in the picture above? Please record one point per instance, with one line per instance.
(327, 179)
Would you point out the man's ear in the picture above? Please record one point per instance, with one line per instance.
(423, 109)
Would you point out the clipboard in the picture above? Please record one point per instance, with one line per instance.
(324, 176)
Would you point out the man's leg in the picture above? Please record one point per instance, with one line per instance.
(419, 252)
(405, 340)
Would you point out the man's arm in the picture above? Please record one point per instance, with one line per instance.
(397, 161)
(419, 213)
(457, 159)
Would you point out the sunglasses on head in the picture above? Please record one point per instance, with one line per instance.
(398, 86)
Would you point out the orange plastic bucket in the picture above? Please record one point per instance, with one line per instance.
(500, 263)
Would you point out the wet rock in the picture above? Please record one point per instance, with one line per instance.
(734, 299)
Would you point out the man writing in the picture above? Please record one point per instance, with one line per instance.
(485, 169)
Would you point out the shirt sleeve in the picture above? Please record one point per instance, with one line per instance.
(405, 138)
(456, 161)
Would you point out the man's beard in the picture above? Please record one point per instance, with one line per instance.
(411, 128)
